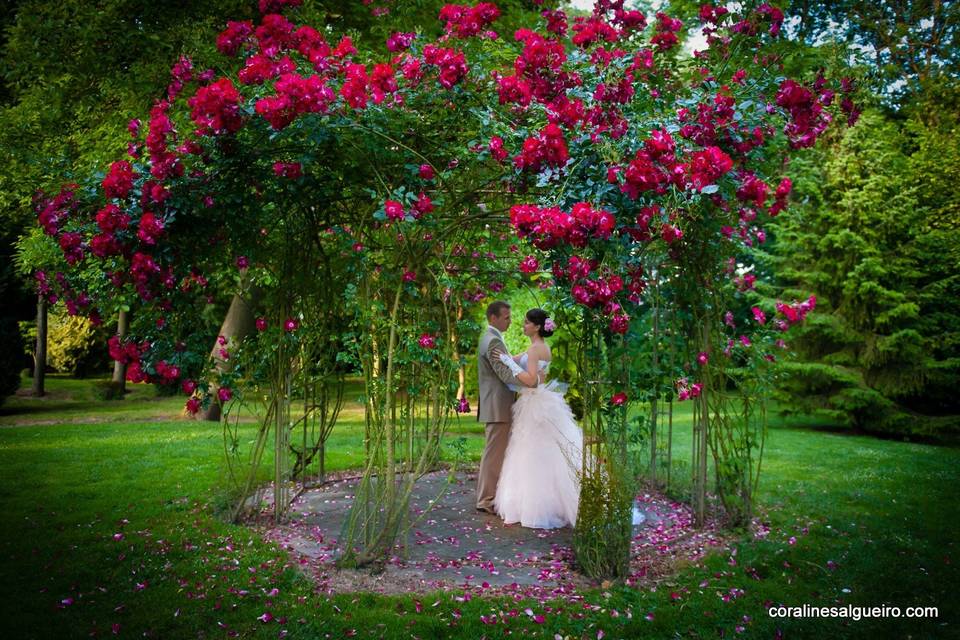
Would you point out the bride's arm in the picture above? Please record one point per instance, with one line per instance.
(529, 377)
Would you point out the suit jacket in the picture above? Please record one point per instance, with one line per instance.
(493, 376)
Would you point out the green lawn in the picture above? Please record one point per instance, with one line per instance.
(109, 518)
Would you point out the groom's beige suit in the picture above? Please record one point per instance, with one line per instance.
(494, 409)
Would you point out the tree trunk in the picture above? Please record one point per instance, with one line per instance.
(40, 350)
(120, 368)
(238, 323)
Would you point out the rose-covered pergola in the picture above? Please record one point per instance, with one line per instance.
(361, 205)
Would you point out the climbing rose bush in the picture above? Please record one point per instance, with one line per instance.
(612, 153)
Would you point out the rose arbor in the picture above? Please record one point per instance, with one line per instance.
(364, 198)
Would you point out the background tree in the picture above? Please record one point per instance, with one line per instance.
(876, 239)
(876, 223)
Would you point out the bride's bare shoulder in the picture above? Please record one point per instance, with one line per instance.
(541, 351)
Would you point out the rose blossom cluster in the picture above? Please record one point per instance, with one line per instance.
(550, 227)
(394, 210)
(53, 212)
(601, 290)
(119, 180)
(129, 353)
(548, 148)
(655, 167)
(400, 41)
(764, 13)
(797, 311)
(808, 118)
(651, 170)
(451, 63)
(713, 123)
(296, 95)
(665, 37)
(686, 391)
(215, 108)
(465, 21)
(592, 29)
(539, 67)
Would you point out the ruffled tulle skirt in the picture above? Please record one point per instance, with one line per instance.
(539, 484)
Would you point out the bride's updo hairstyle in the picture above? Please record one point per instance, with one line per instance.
(539, 318)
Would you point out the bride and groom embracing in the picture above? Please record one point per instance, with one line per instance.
(529, 471)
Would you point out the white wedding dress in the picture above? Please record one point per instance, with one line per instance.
(539, 484)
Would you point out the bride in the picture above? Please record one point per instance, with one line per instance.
(539, 483)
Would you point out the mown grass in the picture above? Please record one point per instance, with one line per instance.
(880, 519)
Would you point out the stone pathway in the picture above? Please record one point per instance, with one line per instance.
(453, 546)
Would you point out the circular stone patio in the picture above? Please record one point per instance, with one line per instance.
(452, 546)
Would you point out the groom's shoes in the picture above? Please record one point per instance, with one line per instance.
(485, 510)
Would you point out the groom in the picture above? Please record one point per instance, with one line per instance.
(496, 402)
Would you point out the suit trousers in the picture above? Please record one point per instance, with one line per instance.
(498, 435)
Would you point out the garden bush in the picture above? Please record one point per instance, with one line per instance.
(75, 346)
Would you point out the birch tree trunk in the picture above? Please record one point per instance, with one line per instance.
(120, 368)
(238, 323)
(40, 350)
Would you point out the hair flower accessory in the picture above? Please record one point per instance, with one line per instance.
(548, 324)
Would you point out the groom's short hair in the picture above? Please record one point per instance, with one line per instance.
(496, 307)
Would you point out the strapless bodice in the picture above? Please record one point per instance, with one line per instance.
(541, 364)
